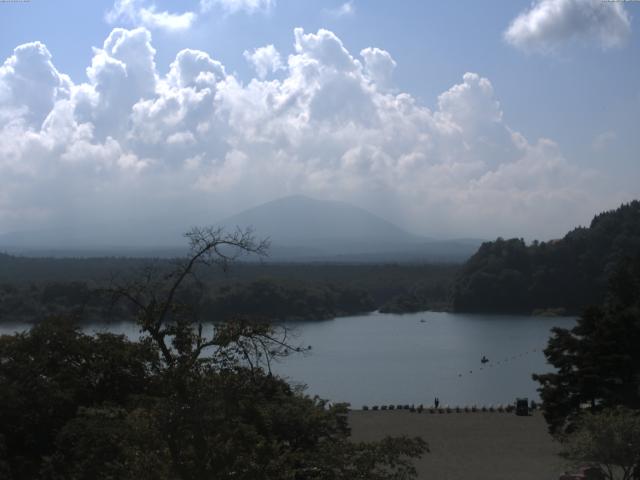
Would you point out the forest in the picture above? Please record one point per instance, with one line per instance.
(555, 277)
(33, 288)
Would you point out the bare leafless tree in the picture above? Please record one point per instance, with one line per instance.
(171, 323)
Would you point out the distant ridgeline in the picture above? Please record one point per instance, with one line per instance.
(559, 276)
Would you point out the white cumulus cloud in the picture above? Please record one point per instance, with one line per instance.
(132, 146)
(379, 66)
(31, 84)
(265, 60)
(549, 24)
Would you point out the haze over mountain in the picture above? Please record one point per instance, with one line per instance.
(297, 218)
(300, 228)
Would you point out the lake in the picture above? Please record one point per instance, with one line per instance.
(381, 358)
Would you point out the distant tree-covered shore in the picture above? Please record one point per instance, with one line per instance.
(32, 289)
(559, 276)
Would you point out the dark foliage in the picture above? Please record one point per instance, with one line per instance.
(36, 288)
(272, 300)
(74, 406)
(564, 275)
(428, 294)
(46, 374)
(608, 441)
(598, 361)
(178, 404)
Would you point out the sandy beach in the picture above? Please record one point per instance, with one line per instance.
(470, 446)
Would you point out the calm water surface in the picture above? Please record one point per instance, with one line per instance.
(412, 358)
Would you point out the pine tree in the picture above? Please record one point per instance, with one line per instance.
(597, 361)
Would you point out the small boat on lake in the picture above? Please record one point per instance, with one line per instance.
(484, 359)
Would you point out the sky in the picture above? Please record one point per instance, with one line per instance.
(134, 119)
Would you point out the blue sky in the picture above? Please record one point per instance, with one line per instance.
(572, 80)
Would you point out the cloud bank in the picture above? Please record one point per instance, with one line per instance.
(549, 24)
(133, 147)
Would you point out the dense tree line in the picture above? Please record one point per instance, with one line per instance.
(564, 275)
(33, 288)
(35, 302)
(381, 280)
(265, 299)
(283, 301)
(428, 294)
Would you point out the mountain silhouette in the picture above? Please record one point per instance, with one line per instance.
(297, 218)
(305, 228)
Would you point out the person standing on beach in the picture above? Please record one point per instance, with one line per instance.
(436, 402)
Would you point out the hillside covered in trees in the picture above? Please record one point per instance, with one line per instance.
(562, 276)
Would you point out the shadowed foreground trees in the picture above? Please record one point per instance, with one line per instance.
(184, 402)
(49, 372)
(609, 439)
(597, 361)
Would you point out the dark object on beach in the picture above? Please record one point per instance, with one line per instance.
(365, 408)
(436, 402)
(522, 406)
